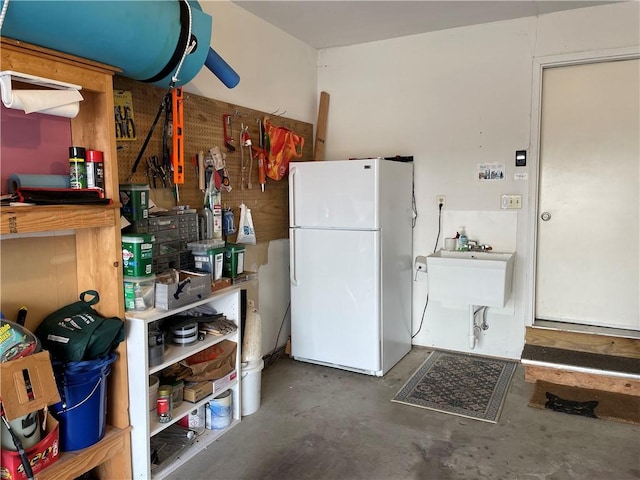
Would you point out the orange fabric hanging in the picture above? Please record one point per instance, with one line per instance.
(281, 145)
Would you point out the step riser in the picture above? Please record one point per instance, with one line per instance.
(594, 381)
(584, 342)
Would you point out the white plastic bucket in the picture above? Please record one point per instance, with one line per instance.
(27, 430)
(251, 384)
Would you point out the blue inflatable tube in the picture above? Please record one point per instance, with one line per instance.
(146, 39)
(221, 69)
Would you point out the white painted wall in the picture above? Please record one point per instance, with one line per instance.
(277, 72)
(454, 99)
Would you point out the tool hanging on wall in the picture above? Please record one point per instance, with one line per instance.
(177, 151)
(258, 154)
(215, 159)
(245, 142)
(228, 134)
(164, 104)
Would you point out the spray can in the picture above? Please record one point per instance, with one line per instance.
(95, 169)
(77, 167)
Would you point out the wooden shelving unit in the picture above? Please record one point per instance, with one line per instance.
(97, 251)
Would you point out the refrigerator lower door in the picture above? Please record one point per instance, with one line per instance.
(335, 292)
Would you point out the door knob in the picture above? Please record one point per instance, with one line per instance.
(546, 216)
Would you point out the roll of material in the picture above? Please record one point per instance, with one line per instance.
(18, 180)
(61, 103)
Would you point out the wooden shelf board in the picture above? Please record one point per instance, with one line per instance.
(74, 464)
(32, 219)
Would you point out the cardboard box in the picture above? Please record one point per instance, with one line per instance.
(191, 286)
(222, 383)
(20, 398)
(220, 284)
(194, 392)
(194, 419)
(17, 399)
(41, 455)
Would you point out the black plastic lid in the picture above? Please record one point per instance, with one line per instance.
(77, 152)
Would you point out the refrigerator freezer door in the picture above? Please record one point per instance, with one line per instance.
(335, 291)
(334, 194)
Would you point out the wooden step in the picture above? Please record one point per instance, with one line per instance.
(606, 341)
(601, 359)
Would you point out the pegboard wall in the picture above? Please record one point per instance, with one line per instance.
(203, 129)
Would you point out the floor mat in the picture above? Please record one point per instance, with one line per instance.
(589, 403)
(470, 386)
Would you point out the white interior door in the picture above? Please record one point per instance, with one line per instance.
(587, 237)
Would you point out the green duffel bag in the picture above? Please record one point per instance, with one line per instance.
(77, 332)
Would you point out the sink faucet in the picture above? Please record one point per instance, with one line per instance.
(475, 246)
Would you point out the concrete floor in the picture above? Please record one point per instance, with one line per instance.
(322, 423)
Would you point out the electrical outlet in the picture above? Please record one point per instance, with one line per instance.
(441, 200)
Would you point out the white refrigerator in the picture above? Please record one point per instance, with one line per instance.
(351, 262)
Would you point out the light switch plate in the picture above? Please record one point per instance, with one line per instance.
(510, 201)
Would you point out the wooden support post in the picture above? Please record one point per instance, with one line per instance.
(321, 127)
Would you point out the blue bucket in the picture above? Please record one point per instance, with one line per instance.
(82, 413)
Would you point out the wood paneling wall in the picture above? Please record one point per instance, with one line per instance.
(203, 129)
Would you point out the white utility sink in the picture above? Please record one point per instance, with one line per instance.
(470, 278)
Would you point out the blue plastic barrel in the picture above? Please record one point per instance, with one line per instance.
(144, 38)
(82, 413)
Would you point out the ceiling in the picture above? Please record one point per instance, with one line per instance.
(334, 23)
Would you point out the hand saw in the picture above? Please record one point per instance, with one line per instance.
(228, 136)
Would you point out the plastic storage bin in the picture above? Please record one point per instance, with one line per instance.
(139, 293)
(233, 260)
(137, 255)
(135, 201)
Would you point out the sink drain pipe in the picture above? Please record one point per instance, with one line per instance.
(474, 328)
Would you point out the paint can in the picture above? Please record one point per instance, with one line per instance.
(156, 348)
(218, 412)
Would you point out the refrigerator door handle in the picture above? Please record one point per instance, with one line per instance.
(292, 258)
(292, 195)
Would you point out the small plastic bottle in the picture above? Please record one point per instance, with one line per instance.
(463, 241)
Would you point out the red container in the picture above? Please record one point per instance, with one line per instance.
(41, 455)
(95, 169)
